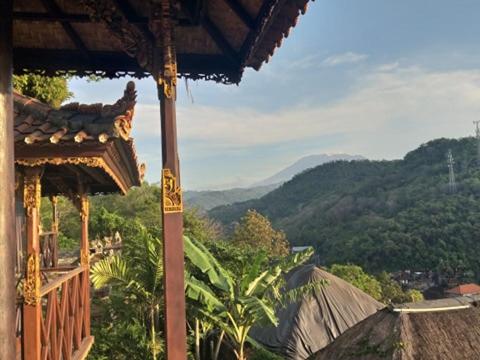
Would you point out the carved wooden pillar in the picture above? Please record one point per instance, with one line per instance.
(54, 201)
(7, 183)
(31, 290)
(85, 256)
(165, 74)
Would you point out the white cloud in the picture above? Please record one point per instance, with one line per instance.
(388, 112)
(345, 58)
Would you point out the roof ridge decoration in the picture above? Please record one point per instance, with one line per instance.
(75, 122)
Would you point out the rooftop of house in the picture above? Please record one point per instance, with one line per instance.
(465, 289)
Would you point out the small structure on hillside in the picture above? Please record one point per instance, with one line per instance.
(464, 290)
(315, 321)
(445, 329)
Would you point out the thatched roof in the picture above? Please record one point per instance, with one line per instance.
(215, 39)
(315, 321)
(78, 140)
(452, 333)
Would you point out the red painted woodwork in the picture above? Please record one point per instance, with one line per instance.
(32, 312)
(173, 257)
(65, 323)
(7, 183)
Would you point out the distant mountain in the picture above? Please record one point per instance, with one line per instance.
(206, 200)
(383, 215)
(209, 199)
(303, 164)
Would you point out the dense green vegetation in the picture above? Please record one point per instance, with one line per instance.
(50, 90)
(127, 315)
(382, 288)
(383, 215)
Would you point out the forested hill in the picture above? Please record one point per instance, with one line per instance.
(383, 215)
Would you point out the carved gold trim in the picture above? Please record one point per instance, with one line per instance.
(171, 193)
(84, 207)
(31, 287)
(84, 257)
(32, 193)
(87, 161)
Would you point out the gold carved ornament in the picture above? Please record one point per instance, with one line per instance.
(32, 193)
(84, 257)
(171, 193)
(84, 208)
(31, 287)
(162, 26)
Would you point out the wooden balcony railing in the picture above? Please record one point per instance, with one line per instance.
(49, 249)
(65, 322)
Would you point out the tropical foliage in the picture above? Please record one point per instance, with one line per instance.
(254, 230)
(235, 302)
(138, 278)
(382, 288)
(51, 90)
(383, 215)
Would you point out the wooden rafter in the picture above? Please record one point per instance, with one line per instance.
(79, 18)
(52, 7)
(261, 24)
(220, 40)
(128, 11)
(48, 17)
(240, 11)
(97, 176)
(188, 7)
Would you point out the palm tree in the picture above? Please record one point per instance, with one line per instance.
(235, 303)
(139, 277)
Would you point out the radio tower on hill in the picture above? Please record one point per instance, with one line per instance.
(477, 135)
(452, 186)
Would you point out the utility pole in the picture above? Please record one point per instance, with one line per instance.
(477, 135)
(452, 186)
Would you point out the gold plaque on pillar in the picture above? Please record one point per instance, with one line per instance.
(31, 287)
(172, 194)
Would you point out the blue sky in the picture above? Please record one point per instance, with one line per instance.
(371, 77)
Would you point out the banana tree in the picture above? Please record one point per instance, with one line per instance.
(139, 278)
(235, 303)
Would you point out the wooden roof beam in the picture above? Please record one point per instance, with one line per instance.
(261, 25)
(128, 11)
(28, 58)
(220, 40)
(52, 7)
(79, 18)
(48, 17)
(240, 11)
(193, 11)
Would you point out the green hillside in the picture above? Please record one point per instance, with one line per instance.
(383, 215)
(206, 200)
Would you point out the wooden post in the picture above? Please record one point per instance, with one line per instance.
(172, 216)
(165, 73)
(32, 307)
(7, 186)
(85, 255)
(54, 201)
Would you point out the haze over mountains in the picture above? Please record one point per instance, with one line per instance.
(382, 215)
(303, 164)
(208, 199)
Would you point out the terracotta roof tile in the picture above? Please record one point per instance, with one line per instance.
(465, 289)
(38, 122)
